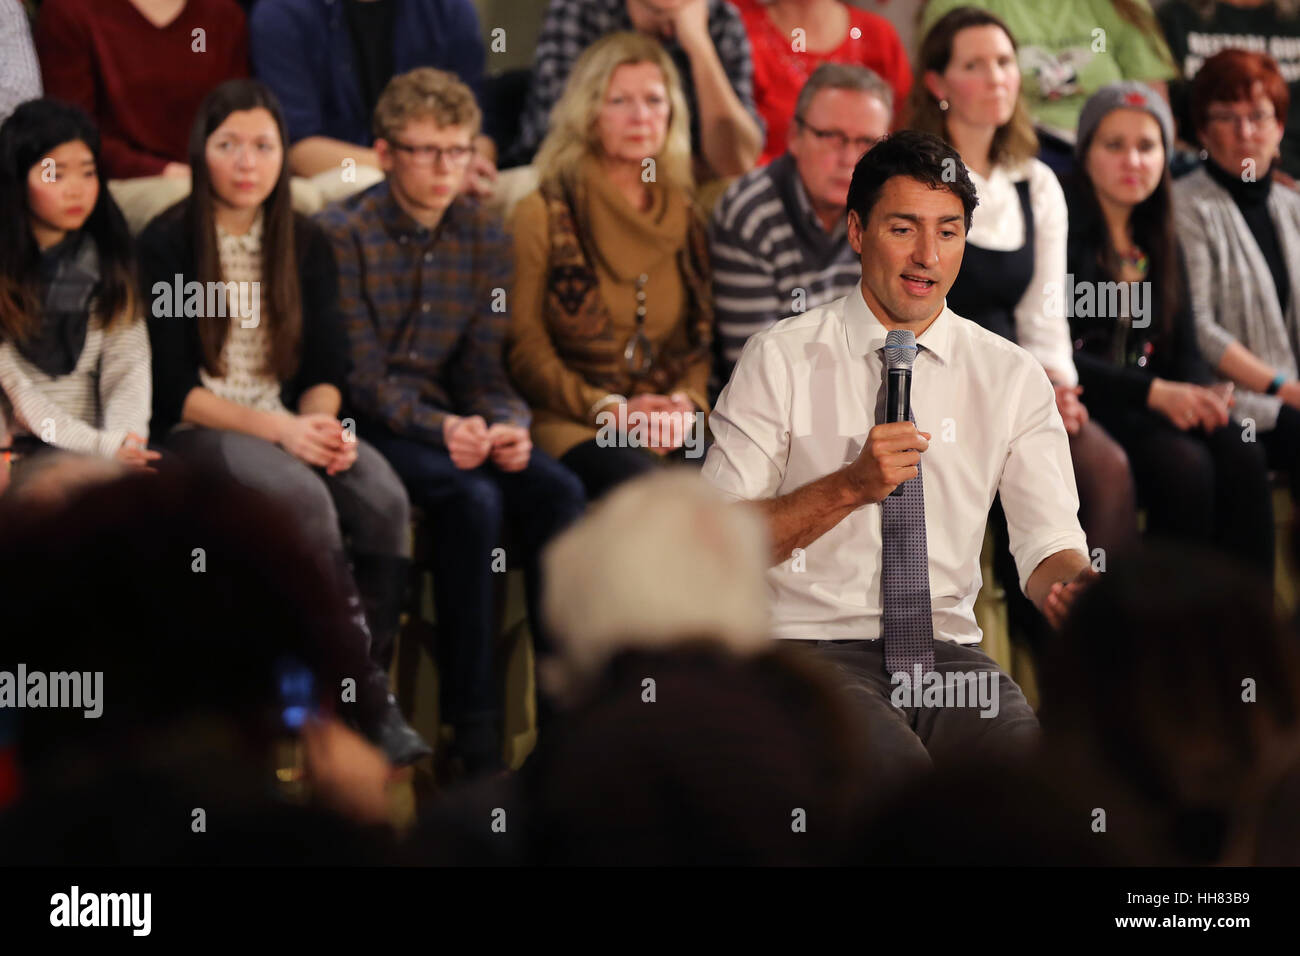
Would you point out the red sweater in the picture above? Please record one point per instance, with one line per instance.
(780, 73)
(141, 84)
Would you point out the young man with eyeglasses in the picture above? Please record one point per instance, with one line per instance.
(778, 239)
(328, 62)
(423, 277)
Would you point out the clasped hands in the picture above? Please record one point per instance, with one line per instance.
(470, 441)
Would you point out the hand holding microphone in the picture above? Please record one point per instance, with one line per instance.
(892, 453)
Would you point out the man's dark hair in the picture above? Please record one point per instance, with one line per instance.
(919, 156)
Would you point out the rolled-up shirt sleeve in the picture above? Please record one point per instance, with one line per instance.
(751, 426)
(1037, 486)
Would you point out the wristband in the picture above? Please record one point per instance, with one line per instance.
(1278, 381)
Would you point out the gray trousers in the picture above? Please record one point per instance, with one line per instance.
(367, 503)
(908, 741)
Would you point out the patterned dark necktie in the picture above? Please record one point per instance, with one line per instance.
(906, 625)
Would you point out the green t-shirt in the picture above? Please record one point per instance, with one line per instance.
(1069, 49)
(1193, 40)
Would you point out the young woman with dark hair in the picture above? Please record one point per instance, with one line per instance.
(249, 361)
(1143, 375)
(74, 356)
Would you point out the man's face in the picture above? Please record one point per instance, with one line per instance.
(911, 249)
(838, 127)
(426, 163)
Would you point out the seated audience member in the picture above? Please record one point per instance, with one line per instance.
(1240, 233)
(1197, 29)
(1173, 625)
(423, 288)
(327, 63)
(138, 68)
(1014, 260)
(20, 73)
(791, 39)
(882, 589)
(612, 313)
(74, 353)
(1143, 375)
(707, 44)
(1060, 55)
(188, 711)
(742, 728)
(249, 363)
(778, 240)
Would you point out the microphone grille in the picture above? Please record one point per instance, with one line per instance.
(900, 348)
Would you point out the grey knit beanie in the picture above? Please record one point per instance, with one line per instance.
(1126, 95)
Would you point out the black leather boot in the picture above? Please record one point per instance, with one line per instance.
(383, 582)
(377, 714)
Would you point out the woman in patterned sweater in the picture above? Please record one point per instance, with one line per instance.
(74, 357)
(249, 360)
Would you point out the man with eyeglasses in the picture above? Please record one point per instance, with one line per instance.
(423, 277)
(327, 61)
(778, 238)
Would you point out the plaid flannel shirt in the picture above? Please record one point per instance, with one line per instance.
(425, 313)
(571, 26)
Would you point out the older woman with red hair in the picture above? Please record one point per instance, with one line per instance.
(1240, 233)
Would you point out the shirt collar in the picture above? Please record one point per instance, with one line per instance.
(866, 336)
(250, 242)
(806, 207)
(397, 222)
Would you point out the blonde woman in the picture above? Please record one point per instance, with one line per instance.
(611, 312)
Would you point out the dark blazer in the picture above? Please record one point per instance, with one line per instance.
(166, 249)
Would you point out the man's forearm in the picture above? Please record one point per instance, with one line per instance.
(798, 519)
(318, 154)
(729, 137)
(1060, 567)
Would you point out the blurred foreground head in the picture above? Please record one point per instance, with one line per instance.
(1173, 677)
(661, 560)
(185, 594)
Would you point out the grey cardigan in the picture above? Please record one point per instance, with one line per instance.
(1233, 297)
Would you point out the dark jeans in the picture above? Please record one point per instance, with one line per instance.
(468, 513)
(604, 468)
(1206, 487)
(908, 741)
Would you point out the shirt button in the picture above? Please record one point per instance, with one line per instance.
(428, 257)
(425, 307)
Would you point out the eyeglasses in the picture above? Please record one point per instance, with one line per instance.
(839, 139)
(456, 155)
(1259, 119)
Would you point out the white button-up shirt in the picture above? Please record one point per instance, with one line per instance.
(799, 406)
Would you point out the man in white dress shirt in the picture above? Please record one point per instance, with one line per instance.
(800, 431)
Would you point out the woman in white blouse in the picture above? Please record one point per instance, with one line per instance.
(1013, 272)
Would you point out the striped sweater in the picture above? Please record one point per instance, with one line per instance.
(771, 258)
(92, 408)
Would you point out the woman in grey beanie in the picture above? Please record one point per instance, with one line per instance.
(1128, 304)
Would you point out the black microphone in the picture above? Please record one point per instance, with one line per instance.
(900, 353)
